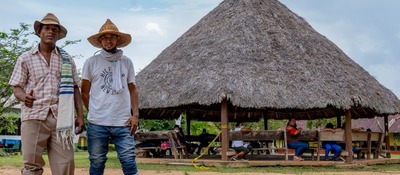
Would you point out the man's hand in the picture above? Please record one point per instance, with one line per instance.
(29, 98)
(80, 125)
(133, 122)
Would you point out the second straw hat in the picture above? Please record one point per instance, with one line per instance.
(110, 28)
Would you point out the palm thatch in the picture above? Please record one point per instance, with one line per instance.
(266, 61)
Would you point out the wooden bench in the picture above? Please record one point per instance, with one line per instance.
(197, 140)
(337, 136)
(369, 137)
(276, 135)
(159, 135)
(306, 136)
(143, 151)
(262, 136)
(357, 136)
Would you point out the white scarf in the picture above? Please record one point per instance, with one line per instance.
(65, 115)
(115, 58)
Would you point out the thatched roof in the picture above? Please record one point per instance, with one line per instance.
(266, 61)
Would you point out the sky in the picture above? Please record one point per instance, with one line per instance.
(368, 31)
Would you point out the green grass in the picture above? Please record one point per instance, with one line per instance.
(82, 161)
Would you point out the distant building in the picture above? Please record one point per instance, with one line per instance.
(377, 124)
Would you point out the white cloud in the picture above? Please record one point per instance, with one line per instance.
(153, 27)
(136, 9)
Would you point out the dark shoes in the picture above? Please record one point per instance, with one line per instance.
(237, 159)
(336, 159)
(333, 159)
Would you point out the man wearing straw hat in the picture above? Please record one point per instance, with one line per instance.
(110, 95)
(45, 82)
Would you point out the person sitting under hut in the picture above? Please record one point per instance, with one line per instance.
(239, 146)
(299, 146)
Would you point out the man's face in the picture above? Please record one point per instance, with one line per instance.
(49, 33)
(109, 41)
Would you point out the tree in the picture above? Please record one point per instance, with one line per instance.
(157, 125)
(12, 45)
(8, 123)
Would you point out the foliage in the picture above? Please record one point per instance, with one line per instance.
(196, 127)
(276, 124)
(12, 45)
(321, 123)
(8, 123)
(3, 153)
(157, 125)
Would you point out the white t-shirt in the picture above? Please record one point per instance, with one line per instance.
(105, 108)
(237, 143)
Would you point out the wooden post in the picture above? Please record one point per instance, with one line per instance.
(174, 150)
(369, 144)
(187, 122)
(265, 121)
(387, 138)
(348, 137)
(224, 129)
(338, 121)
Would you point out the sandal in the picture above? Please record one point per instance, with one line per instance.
(297, 158)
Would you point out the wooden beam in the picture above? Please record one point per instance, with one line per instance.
(348, 137)
(224, 129)
(387, 139)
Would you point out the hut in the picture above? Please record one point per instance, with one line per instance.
(377, 124)
(253, 59)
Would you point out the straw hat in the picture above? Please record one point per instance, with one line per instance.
(110, 28)
(50, 19)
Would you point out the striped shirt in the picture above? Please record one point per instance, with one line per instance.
(32, 72)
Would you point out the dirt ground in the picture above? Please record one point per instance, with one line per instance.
(85, 171)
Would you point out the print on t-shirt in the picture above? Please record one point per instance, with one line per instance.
(106, 74)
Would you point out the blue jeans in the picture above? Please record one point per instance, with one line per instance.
(98, 140)
(355, 149)
(331, 147)
(300, 147)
